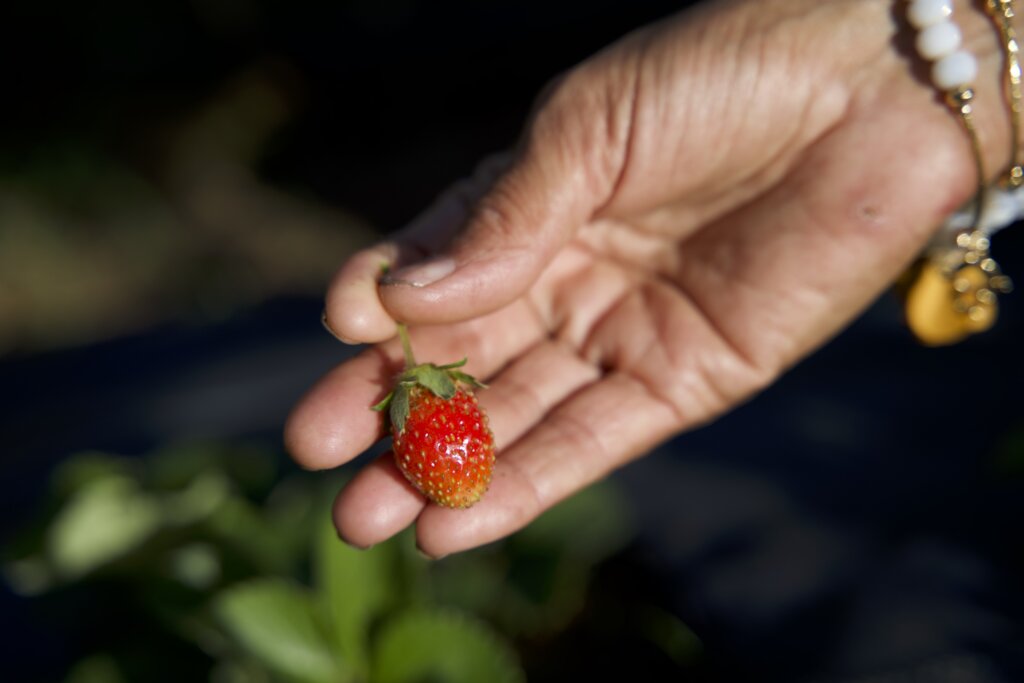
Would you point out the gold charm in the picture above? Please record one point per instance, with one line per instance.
(953, 295)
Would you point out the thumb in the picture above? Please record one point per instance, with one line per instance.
(509, 236)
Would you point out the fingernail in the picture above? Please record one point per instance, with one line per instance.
(327, 326)
(427, 556)
(421, 274)
(352, 545)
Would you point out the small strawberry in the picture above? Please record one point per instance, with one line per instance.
(442, 443)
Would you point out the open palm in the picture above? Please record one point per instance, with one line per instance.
(689, 213)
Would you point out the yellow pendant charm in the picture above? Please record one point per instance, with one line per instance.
(953, 297)
(939, 314)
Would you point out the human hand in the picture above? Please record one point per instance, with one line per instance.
(689, 213)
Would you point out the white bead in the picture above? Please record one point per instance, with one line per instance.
(1000, 210)
(1017, 195)
(924, 13)
(955, 70)
(939, 40)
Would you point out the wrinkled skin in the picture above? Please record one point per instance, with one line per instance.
(689, 213)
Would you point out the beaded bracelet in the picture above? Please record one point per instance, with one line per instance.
(953, 290)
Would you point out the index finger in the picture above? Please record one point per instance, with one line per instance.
(353, 309)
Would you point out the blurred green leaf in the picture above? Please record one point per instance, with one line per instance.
(473, 581)
(591, 526)
(538, 582)
(173, 467)
(527, 591)
(198, 500)
(99, 668)
(542, 593)
(422, 645)
(196, 565)
(356, 585)
(242, 527)
(414, 576)
(28, 576)
(671, 635)
(82, 469)
(250, 469)
(232, 671)
(275, 621)
(110, 514)
(106, 519)
(290, 508)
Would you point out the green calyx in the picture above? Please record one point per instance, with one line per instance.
(440, 380)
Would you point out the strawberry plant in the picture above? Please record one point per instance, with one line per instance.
(209, 561)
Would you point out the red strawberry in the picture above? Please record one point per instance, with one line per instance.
(442, 443)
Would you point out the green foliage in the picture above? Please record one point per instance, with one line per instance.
(356, 587)
(77, 473)
(211, 549)
(275, 621)
(102, 521)
(671, 635)
(588, 527)
(105, 511)
(100, 668)
(537, 582)
(437, 645)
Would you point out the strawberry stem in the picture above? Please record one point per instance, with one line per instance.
(403, 335)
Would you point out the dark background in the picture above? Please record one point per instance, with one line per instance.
(858, 521)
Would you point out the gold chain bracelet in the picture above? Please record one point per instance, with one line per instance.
(952, 292)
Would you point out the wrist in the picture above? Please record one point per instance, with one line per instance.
(871, 47)
(889, 74)
(953, 291)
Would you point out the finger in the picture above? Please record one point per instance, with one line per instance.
(596, 430)
(378, 503)
(565, 171)
(524, 392)
(353, 310)
(333, 423)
